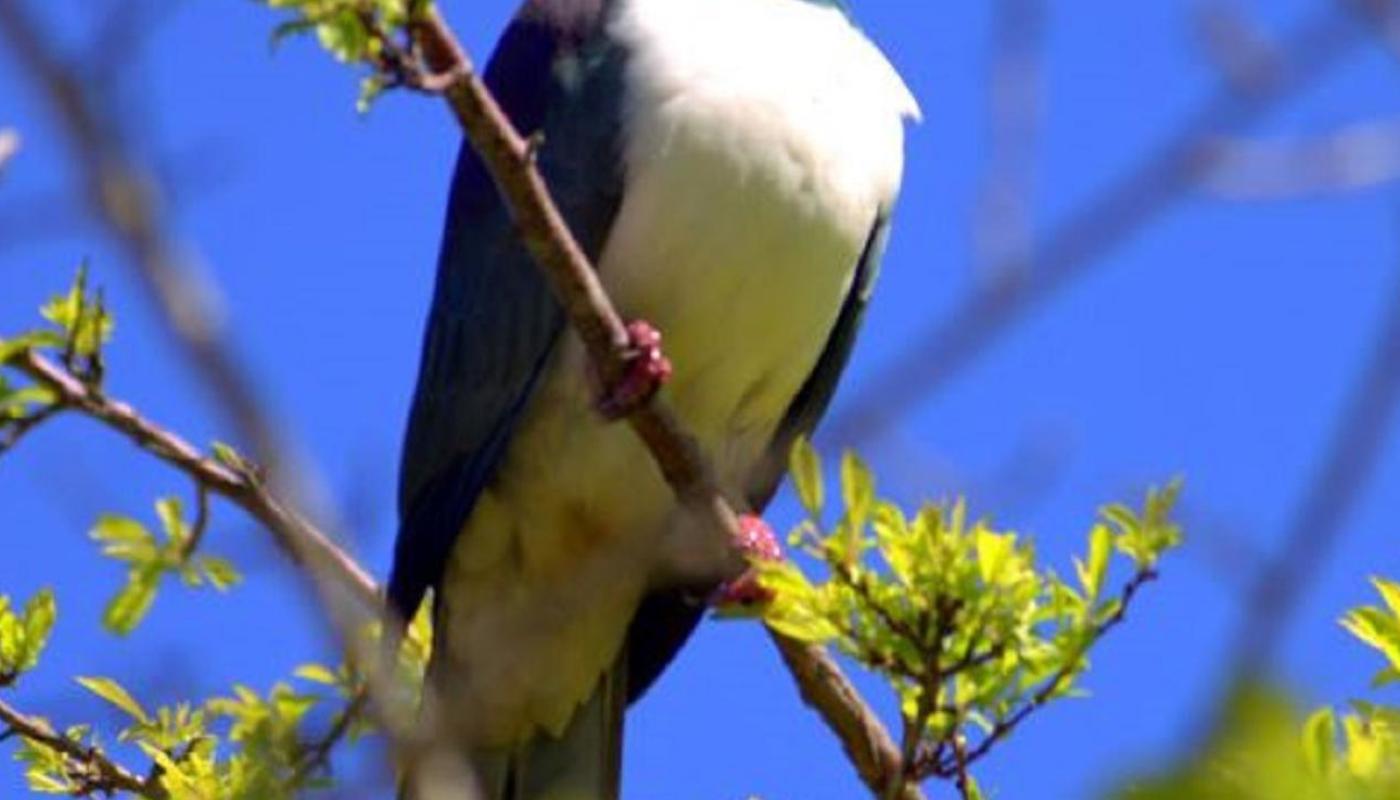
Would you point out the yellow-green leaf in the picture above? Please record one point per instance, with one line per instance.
(857, 487)
(806, 468)
(1320, 740)
(39, 615)
(129, 606)
(1093, 571)
(220, 572)
(112, 692)
(317, 673)
(171, 513)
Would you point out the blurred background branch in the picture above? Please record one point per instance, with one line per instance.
(1067, 253)
(125, 196)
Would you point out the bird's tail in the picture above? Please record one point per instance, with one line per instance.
(584, 763)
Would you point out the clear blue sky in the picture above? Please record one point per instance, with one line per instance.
(1218, 343)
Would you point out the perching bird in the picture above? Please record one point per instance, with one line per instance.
(730, 166)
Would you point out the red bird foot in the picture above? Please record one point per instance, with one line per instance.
(757, 541)
(647, 369)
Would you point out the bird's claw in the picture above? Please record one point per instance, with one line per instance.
(758, 542)
(647, 369)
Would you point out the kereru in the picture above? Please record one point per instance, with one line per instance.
(730, 166)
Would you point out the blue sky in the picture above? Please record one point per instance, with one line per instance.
(1217, 343)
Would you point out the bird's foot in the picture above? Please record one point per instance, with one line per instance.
(758, 542)
(647, 369)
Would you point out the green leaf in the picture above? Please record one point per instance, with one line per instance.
(19, 403)
(1320, 740)
(1376, 628)
(171, 513)
(112, 692)
(1390, 593)
(126, 610)
(857, 488)
(994, 554)
(228, 456)
(317, 673)
(40, 613)
(222, 574)
(1093, 572)
(806, 468)
(371, 87)
(30, 340)
(82, 317)
(124, 539)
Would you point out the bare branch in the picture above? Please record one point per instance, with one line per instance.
(1071, 250)
(317, 754)
(12, 431)
(1348, 463)
(1004, 225)
(1351, 158)
(863, 737)
(1247, 59)
(87, 766)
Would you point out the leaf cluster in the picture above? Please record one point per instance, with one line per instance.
(150, 558)
(24, 633)
(371, 32)
(971, 632)
(78, 326)
(243, 746)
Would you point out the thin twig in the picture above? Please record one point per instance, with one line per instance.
(1244, 55)
(316, 755)
(13, 431)
(201, 521)
(1052, 685)
(86, 766)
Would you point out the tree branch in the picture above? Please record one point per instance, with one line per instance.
(317, 753)
(89, 767)
(306, 544)
(964, 758)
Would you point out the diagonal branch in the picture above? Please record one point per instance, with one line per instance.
(347, 591)
(87, 766)
(306, 544)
